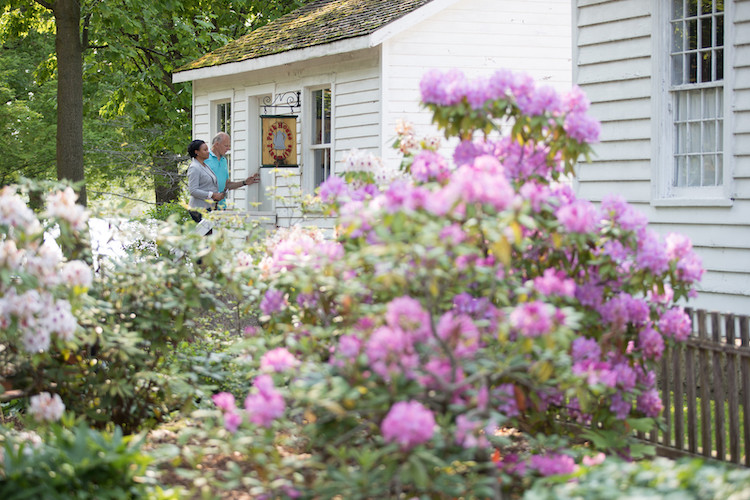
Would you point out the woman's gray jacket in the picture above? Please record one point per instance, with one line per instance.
(201, 181)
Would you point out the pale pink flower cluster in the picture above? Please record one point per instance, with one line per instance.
(278, 360)
(62, 204)
(299, 247)
(46, 407)
(15, 214)
(37, 316)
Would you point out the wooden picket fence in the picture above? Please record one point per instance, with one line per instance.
(705, 389)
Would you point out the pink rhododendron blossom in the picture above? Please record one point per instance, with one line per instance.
(675, 323)
(265, 405)
(585, 349)
(593, 460)
(582, 127)
(469, 433)
(620, 406)
(408, 424)
(575, 101)
(428, 166)
(408, 314)
(273, 301)
(232, 421)
(578, 217)
(333, 189)
(391, 352)
(531, 319)
(278, 360)
(615, 208)
(650, 403)
(652, 252)
(224, 401)
(554, 282)
(553, 464)
(459, 333)
(46, 407)
(505, 395)
(651, 343)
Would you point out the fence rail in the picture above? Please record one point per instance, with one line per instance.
(705, 388)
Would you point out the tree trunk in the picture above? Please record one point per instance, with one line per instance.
(69, 93)
(166, 178)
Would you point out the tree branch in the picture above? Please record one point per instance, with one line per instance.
(46, 5)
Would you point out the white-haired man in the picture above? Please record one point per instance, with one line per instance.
(217, 160)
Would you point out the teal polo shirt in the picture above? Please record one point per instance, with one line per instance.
(220, 167)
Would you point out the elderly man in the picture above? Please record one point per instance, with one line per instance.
(217, 160)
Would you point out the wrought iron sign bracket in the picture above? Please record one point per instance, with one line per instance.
(289, 100)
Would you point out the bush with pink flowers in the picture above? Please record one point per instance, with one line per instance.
(474, 322)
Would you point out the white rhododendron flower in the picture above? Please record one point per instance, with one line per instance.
(62, 204)
(46, 407)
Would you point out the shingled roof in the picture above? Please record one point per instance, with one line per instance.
(317, 23)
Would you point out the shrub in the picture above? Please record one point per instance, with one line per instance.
(101, 340)
(486, 298)
(648, 479)
(75, 462)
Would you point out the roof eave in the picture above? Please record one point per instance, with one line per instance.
(274, 60)
(339, 47)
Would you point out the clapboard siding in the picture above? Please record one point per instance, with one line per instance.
(477, 37)
(612, 53)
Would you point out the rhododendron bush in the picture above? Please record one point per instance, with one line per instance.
(474, 320)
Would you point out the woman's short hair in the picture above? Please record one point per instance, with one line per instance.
(195, 146)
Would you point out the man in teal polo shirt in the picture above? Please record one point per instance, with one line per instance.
(217, 160)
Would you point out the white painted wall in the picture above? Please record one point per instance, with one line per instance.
(613, 63)
(478, 37)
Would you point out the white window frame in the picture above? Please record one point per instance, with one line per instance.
(664, 191)
(308, 106)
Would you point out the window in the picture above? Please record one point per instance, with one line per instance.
(696, 94)
(320, 143)
(224, 118)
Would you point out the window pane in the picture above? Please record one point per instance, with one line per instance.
(677, 9)
(709, 137)
(692, 67)
(709, 103)
(706, 32)
(679, 171)
(692, 7)
(680, 138)
(719, 31)
(327, 113)
(694, 138)
(677, 71)
(678, 37)
(681, 106)
(709, 171)
(692, 33)
(719, 170)
(719, 103)
(322, 117)
(694, 171)
(706, 60)
(322, 165)
(719, 64)
(694, 105)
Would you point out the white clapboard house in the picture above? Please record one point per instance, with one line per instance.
(670, 82)
(356, 67)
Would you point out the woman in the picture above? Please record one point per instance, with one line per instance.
(202, 183)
